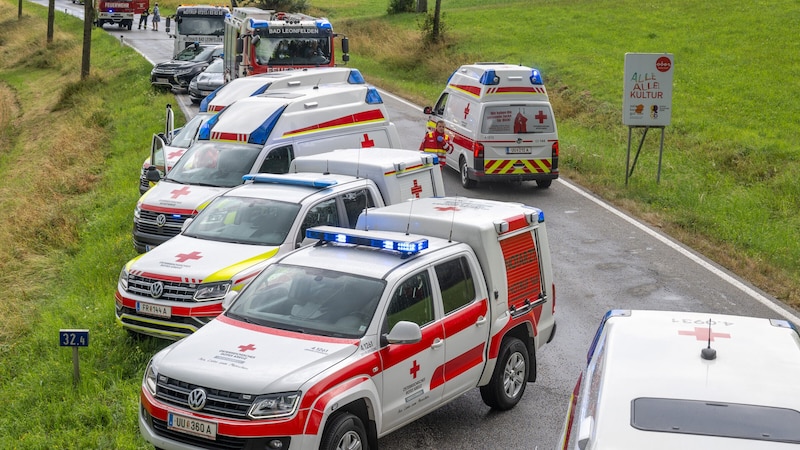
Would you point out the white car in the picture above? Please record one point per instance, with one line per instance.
(681, 380)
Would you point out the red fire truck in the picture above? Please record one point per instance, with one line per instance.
(260, 41)
(119, 12)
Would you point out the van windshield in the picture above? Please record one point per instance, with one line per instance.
(518, 119)
(215, 164)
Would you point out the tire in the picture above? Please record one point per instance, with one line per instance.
(543, 184)
(510, 376)
(464, 172)
(345, 432)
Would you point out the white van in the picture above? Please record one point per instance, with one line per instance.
(260, 134)
(175, 142)
(501, 124)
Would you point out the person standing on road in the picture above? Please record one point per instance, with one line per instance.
(437, 142)
(156, 17)
(143, 18)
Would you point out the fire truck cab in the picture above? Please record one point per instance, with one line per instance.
(501, 124)
(340, 343)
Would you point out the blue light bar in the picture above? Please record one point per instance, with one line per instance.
(355, 77)
(489, 78)
(255, 24)
(287, 179)
(536, 77)
(259, 135)
(368, 239)
(324, 25)
(373, 97)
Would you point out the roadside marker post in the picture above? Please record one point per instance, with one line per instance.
(74, 338)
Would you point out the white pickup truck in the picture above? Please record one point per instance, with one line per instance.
(337, 344)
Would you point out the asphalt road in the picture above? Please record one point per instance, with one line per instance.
(602, 259)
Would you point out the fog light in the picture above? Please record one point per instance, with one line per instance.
(275, 443)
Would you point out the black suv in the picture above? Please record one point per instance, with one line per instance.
(178, 72)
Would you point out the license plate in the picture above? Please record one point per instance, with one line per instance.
(518, 150)
(190, 425)
(154, 310)
(163, 80)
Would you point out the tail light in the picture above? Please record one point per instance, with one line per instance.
(555, 149)
(477, 150)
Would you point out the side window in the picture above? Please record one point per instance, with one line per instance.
(323, 213)
(440, 105)
(412, 302)
(456, 283)
(277, 161)
(355, 202)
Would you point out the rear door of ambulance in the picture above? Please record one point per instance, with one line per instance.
(518, 138)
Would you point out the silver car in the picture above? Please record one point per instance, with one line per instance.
(207, 81)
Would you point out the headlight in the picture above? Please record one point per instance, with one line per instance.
(184, 71)
(193, 83)
(274, 405)
(212, 291)
(123, 279)
(150, 378)
(137, 211)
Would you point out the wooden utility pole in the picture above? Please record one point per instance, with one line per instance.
(51, 18)
(88, 23)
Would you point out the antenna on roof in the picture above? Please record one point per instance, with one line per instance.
(708, 353)
(408, 220)
(452, 220)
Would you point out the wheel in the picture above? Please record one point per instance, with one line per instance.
(543, 184)
(510, 376)
(465, 180)
(345, 432)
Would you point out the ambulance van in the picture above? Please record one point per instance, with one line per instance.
(171, 145)
(260, 134)
(177, 287)
(501, 124)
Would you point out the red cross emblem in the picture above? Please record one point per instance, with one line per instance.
(367, 142)
(176, 153)
(244, 348)
(416, 189)
(466, 111)
(446, 208)
(178, 192)
(414, 369)
(540, 117)
(702, 334)
(183, 257)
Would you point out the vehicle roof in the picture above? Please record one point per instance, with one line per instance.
(363, 260)
(341, 160)
(293, 193)
(657, 354)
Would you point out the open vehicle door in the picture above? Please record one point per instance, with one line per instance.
(158, 164)
(169, 125)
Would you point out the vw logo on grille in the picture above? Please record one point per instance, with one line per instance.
(197, 399)
(519, 140)
(161, 220)
(156, 289)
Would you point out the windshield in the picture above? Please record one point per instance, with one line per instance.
(196, 53)
(244, 220)
(215, 164)
(185, 137)
(293, 51)
(309, 300)
(215, 66)
(201, 25)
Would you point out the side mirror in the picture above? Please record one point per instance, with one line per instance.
(255, 40)
(404, 332)
(152, 174)
(428, 110)
(239, 46)
(186, 223)
(229, 298)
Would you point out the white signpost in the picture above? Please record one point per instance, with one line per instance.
(647, 99)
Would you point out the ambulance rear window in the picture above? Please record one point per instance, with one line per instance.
(518, 119)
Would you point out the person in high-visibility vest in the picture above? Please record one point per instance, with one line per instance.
(437, 142)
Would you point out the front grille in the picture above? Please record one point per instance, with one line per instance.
(147, 223)
(176, 292)
(218, 402)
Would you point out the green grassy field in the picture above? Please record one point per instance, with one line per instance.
(71, 150)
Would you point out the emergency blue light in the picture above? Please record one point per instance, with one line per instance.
(205, 129)
(489, 78)
(355, 77)
(536, 77)
(373, 97)
(259, 135)
(204, 103)
(256, 24)
(324, 25)
(365, 238)
(261, 90)
(288, 179)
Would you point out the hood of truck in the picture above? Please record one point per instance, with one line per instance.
(234, 356)
(202, 261)
(167, 197)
